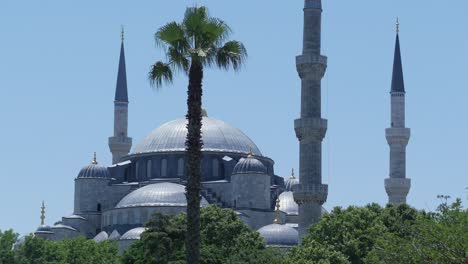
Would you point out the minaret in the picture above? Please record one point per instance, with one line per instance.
(310, 129)
(397, 185)
(120, 143)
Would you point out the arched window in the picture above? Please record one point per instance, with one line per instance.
(148, 169)
(180, 167)
(215, 166)
(98, 207)
(164, 168)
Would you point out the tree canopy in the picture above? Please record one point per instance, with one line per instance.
(394, 234)
(224, 239)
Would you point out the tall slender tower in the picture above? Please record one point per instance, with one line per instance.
(120, 143)
(310, 129)
(397, 185)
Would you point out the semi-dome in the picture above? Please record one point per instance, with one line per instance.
(216, 134)
(94, 170)
(279, 235)
(249, 165)
(133, 234)
(158, 194)
(287, 203)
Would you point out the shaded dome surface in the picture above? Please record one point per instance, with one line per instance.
(287, 203)
(44, 228)
(133, 234)
(279, 235)
(102, 236)
(216, 134)
(249, 165)
(94, 170)
(290, 183)
(158, 194)
(115, 235)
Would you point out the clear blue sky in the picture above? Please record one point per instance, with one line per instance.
(58, 66)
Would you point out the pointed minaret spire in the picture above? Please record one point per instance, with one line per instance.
(397, 185)
(397, 76)
(121, 94)
(120, 143)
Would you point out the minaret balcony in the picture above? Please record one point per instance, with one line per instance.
(316, 193)
(397, 136)
(311, 66)
(310, 128)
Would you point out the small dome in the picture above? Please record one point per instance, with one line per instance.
(102, 236)
(44, 228)
(133, 234)
(287, 203)
(279, 235)
(21, 241)
(249, 165)
(291, 181)
(94, 170)
(158, 194)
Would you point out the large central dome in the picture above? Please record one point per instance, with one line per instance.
(216, 134)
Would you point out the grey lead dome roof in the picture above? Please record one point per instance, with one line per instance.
(279, 235)
(133, 234)
(94, 170)
(216, 134)
(287, 203)
(249, 165)
(158, 194)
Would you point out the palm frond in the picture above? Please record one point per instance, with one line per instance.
(232, 54)
(160, 72)
(178, 60)
(172, 34)
(194, 20)
(216, 31)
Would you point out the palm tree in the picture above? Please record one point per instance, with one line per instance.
(198, 41)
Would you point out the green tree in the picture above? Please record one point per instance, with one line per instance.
(316, 253)
(224, 239)
(197, 42)
(7, 239)
(351, 231)
(77, 251)
(440, 237)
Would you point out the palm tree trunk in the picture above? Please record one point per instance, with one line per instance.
(193, 146)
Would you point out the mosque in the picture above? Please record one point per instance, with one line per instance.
(114, 202)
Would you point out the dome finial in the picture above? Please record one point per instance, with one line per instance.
(42, 213)
(277, 213)
(292, 174)
(397, 26)
(94, 159)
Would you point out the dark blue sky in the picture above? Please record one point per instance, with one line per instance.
(58, 66)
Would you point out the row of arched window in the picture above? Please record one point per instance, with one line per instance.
(148, 171)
